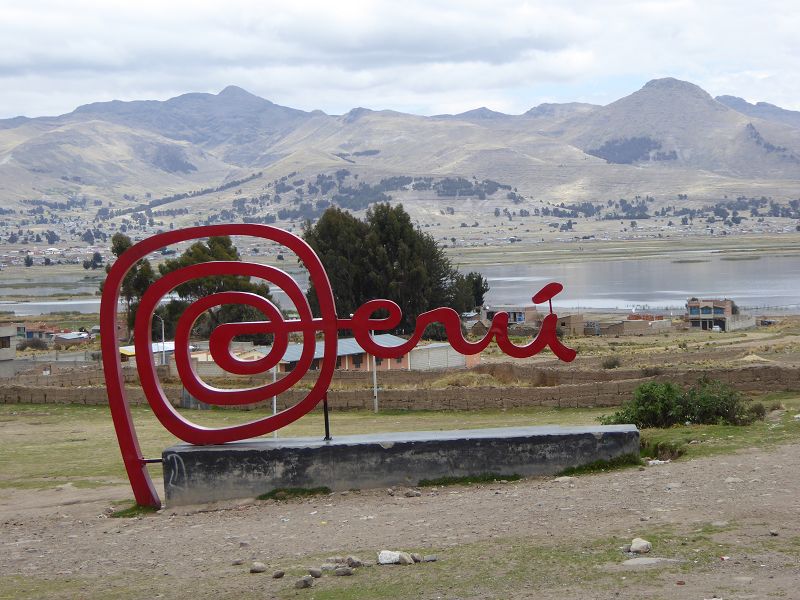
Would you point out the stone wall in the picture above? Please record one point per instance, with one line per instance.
(556, 388)
(70, 377)
(93, 395)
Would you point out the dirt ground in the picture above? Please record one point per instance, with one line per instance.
(732, 521)
(536, 538)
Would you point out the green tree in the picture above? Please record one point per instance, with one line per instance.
(479, 287)
(385, 257)
(28, 261)
(140, 277)
(219, 248)
(340, 241)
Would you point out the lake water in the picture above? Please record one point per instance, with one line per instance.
(26, 309)
(658, 283)
(644, 284)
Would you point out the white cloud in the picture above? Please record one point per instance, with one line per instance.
(427, 57)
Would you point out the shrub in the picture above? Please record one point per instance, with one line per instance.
(612, 362)
(651, 371)
(757, 411)
(437, 333)
(32, 344)
(709, 401)
(654, 404)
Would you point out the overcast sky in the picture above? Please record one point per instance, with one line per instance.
(424, 57)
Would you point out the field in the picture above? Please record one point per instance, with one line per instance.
(62, 480)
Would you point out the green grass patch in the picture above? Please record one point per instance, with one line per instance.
(600, 466)
(789, 546)
(663, 449)
(43, 446)
(28, 587)
(696, 441)
(132, 512)
(295, 492)
(544, 566)
(468, 479)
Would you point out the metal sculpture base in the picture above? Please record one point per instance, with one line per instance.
(200, 474)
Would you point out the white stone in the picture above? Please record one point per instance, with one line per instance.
(640, 546)
(405, 559)
(258, 567)
(564, 479)
(388, 557)
(733, 480)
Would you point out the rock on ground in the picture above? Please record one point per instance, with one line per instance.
(354, 562)
(258, 567)
(388, 557)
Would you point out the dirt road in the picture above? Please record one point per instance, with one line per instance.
(535, 538)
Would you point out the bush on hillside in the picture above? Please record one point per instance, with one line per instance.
(709, 401)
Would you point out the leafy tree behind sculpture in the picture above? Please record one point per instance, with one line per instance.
(479, 287)
(140, 277)
(340, 241)
(387, 257)
(219, 248)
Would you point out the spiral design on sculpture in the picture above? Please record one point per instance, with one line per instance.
(219, 343)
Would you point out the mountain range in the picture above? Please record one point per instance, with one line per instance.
(667, 138)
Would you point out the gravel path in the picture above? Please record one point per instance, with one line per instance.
(65, 533)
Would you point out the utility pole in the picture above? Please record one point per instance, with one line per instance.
(163, 345)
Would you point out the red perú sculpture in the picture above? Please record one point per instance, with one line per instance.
(327, 324)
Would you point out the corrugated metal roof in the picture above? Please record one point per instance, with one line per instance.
(344, 347)
(73, 335)
(156, 347)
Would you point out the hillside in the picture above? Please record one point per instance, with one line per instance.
(211, 157)
(762, 110)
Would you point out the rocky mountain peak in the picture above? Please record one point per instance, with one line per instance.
(672, 86)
